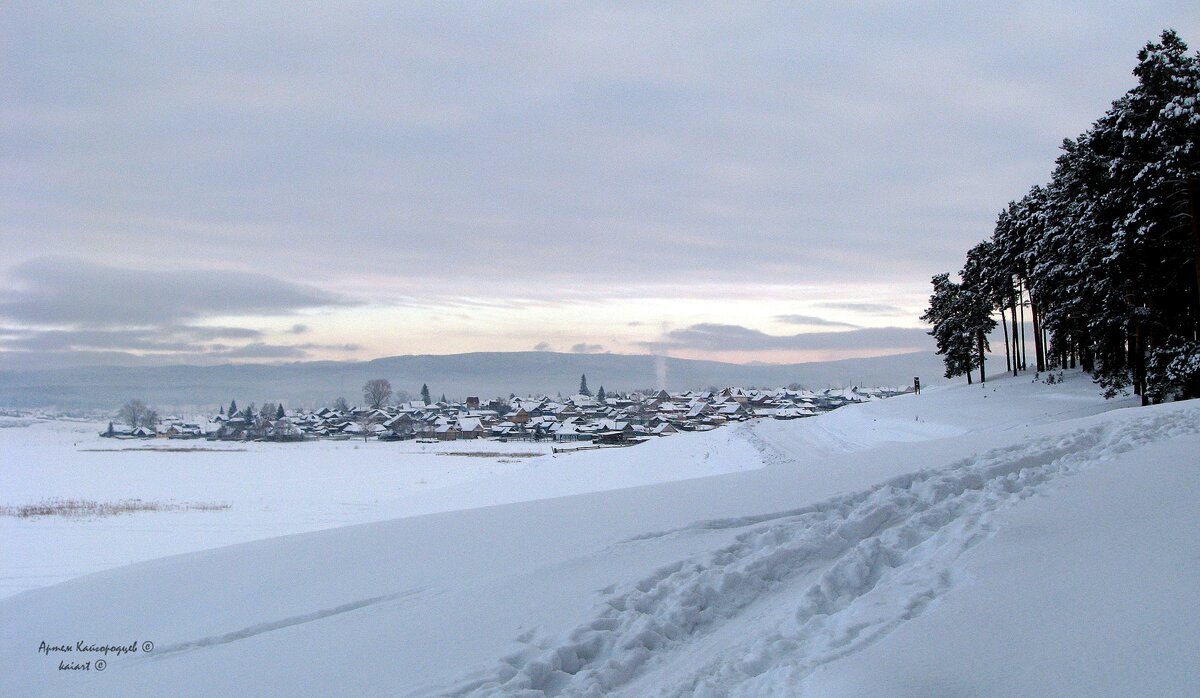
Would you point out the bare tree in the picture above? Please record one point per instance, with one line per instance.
(365, 421)
(136, 414)
(284, 430)
(376, 392)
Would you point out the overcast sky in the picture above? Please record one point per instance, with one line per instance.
(739, 181)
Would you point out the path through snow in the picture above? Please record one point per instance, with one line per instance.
(817, 582)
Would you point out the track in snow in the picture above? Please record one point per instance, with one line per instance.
(817, 582)
(260, 628)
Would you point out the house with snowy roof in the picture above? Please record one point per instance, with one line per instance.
(471, 428)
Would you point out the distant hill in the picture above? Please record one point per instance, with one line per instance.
(485, 374)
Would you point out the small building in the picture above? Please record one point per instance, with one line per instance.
(570, 432)
(471, 428)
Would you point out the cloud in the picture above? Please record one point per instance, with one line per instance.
(718, 337)
(879, 308)
(585, 348)
(687, 146)
(259, 350)
(206, 332)
(103, 312)
(125, 342)
(310, 346)
(811, 320)
(32, 360)
(62, 290)
(543, 346)
(91, 340)
(158, 354)
(297, 329)
(169, 338)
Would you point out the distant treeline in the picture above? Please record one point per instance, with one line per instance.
(1105, 257)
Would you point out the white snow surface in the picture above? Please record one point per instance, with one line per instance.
(275, 489)
(1014, 538)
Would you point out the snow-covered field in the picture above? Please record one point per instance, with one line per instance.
(276, 489)
(1009, 539)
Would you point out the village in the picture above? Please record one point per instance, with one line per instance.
(579, 420)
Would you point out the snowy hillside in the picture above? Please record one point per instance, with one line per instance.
(1009, 539)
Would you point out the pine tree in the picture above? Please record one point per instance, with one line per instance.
(600, 394)
(583, 387)
(974, 304)
(279, 413)
(1070, 276)
(1151, 138)
(1005, 260)
(425, 394)
(232, 408)
(955, 340)
(1123, 189)
(1107, 254)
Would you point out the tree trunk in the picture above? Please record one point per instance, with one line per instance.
(1087, 358)
(1004, 325)
(1024, 356)
(1039, 348)
(1012, 306)
(1193, 191)
(982, 359)
(1139, 363)
(1131, 363)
